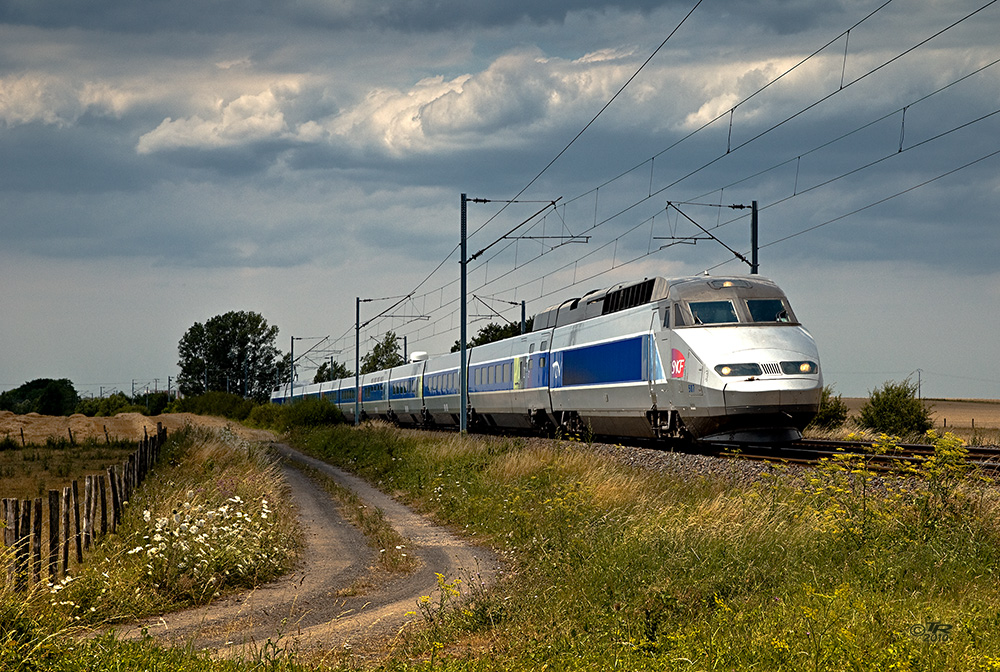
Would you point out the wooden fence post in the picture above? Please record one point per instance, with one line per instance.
(67, 499)
(53, 535)
(24, 546)
(36, 533)
(116, 502)
(88, 505)
(12, 520)
(104, 504)
(132, 484)
(78, 537)
(121, 489)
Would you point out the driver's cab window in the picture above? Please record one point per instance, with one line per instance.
(768, 310)
(713, 312)
(678, 316)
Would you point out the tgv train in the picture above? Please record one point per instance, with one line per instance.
(704, 358)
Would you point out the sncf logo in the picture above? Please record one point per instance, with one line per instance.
(676, 363)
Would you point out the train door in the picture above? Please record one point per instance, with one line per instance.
(655, 373)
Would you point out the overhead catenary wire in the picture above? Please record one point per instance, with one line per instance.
(562, 151)
(595, 117)
(441, 314)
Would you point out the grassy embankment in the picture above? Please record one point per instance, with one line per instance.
(213, 517)
(613, 567)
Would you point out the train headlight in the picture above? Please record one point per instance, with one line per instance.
(797, 368)
(738, 370)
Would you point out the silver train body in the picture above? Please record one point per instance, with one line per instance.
(704, 358)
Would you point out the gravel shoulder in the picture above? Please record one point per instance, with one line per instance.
(333, 601)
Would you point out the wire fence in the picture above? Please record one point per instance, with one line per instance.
(74, 525)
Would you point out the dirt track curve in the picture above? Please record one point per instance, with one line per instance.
(307, 610)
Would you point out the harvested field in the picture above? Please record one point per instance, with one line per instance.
(50, 462)
(952, 412)
(124, 426)
(975, 420)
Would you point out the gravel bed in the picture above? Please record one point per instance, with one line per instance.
(741, 471)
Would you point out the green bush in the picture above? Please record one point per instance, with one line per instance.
(300, 413)
(266, 416)
(107, 406)
(311, 413)
(894, 409)
(222, 404)
(832, 411)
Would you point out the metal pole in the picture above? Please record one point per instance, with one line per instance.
(523, 322)
(357, 360)
(463, 425)
(291, 372)
(753, 238)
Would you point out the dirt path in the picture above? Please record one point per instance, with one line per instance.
(312, 608)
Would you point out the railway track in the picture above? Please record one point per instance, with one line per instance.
(812, 451)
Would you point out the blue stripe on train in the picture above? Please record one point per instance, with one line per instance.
(614, 362)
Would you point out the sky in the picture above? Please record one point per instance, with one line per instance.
(163, 162)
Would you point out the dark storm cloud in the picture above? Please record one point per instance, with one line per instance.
(149, 16)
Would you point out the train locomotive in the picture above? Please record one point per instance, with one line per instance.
(698, 358)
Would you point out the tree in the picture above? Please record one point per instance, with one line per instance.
(233, 352)
(894, 409)
(494, 332)
(43, 395)
(326, 373)
(384, 355)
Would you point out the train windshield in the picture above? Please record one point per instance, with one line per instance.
(713, 312)
(768, 310)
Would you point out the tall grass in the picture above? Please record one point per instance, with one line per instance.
(214, 517)
(612, 567)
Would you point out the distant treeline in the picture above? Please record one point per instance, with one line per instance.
(58, 397)
(47, 396)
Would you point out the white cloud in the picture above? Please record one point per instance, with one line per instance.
(245, 120)
(518, 92)
(41, 98)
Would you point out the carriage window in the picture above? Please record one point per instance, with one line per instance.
(768, 310)
(713, 312)
(678, 316)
